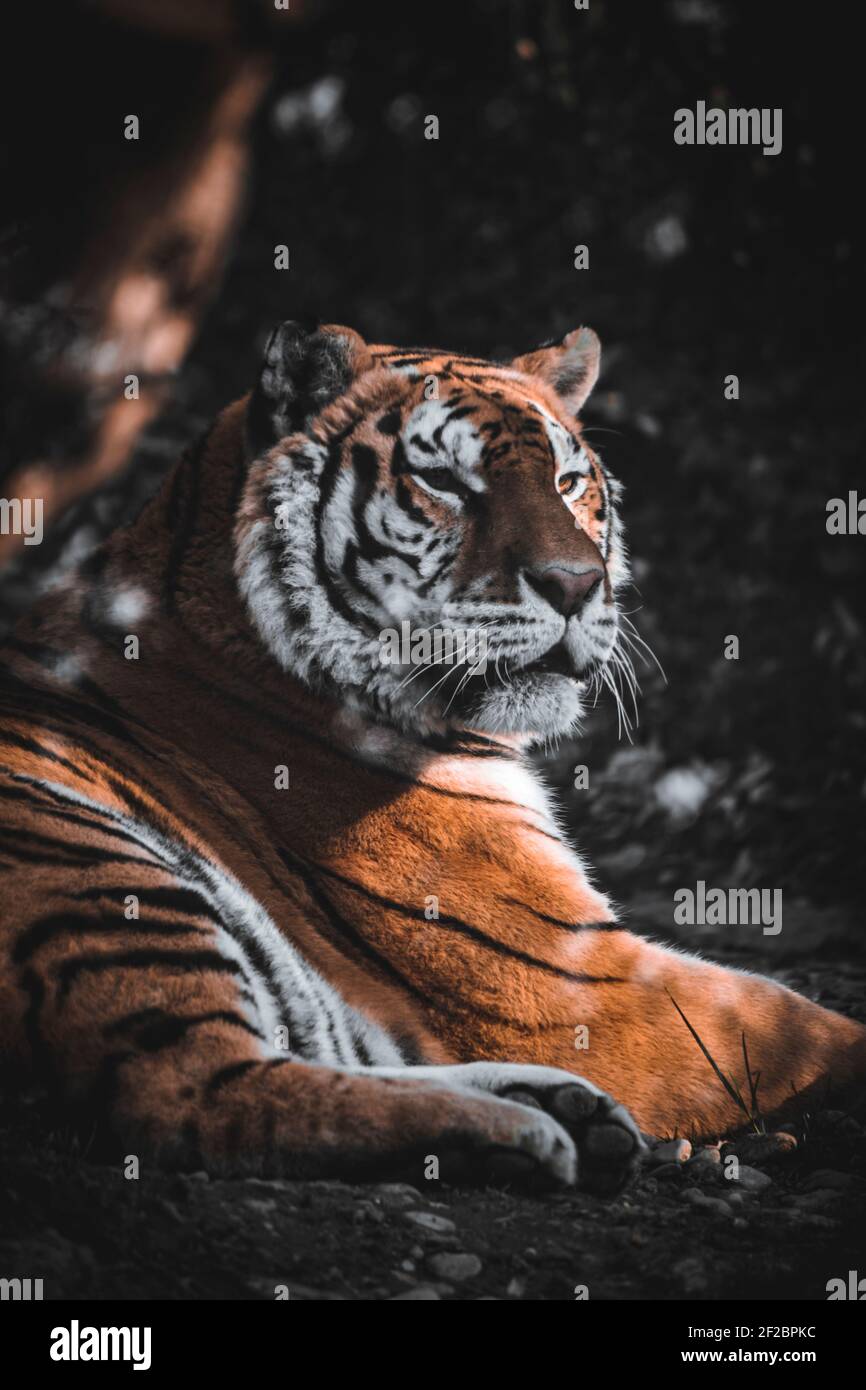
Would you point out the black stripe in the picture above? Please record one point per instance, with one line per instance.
(87, 819)
(409, 1049)
(136, 806)
(63, 706)
(161, 898)
(559, 922)
(30, 745)
(46, 929)
(227, 1074)
(49, 842)
(411, 357)
(48, 657)
(155, 1029)
(466, 929)
(95, 856)
(327, 483)
(362, 1052)
(184, 961)
(344, 928)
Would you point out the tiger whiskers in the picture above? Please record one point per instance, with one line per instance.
(639, 646)
(622, 719)
(467, 676)
(617, 674)
(442, 660)
(624, 669)
(452, 666)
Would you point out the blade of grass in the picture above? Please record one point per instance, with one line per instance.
(728, 1085)
(753, 1081)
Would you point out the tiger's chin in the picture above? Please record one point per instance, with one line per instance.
(533, 703)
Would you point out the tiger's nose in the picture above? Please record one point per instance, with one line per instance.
(566, 590)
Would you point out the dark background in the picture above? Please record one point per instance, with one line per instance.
(556, 128)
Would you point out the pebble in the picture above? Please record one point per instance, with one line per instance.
(429, 1221)
(669, 1170)
(396, 1196)
(368, 1211)
(761, 1148)
(825, 1178)
(709, 1154)
(714, 1204)
(672, 1151)
(420, 1292)
(813, 1201)
(691, 1275)
(264, 1206)
(705, 1166)
(457, 1266)
(819, 1223)
(752, 1179)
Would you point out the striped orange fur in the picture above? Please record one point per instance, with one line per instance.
(389, 956)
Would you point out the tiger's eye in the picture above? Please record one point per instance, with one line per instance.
(438, 477)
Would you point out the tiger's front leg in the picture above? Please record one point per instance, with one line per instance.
(149, 1032)
(638, 1020)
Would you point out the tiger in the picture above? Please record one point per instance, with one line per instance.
(274, 905)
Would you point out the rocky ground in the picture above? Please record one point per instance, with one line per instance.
(743, 773)
(778, 1224)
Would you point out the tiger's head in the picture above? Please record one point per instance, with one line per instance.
(428, 536)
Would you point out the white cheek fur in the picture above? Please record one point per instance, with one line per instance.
(309, 636)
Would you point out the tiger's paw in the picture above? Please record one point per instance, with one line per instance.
(522, 1146)
(609, 1144)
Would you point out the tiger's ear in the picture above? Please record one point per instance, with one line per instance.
(305, 367)
(569, 367)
